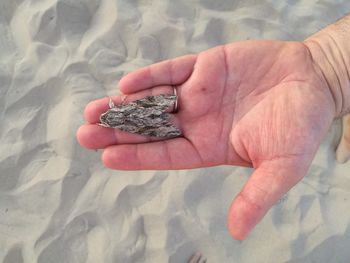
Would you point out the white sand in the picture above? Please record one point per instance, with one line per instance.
(58, 203)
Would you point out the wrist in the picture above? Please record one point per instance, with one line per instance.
(330, 51)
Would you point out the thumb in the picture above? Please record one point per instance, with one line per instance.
(269, 182)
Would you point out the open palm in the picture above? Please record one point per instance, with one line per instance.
(254, 103)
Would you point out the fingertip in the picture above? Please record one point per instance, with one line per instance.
(134, 81)
(242, 218)
(78, 135)
(105, 159)
(116, 157)
(93, 136)
(95, 108)
(83, 137)
(123, 84)
(90, 112)
(235, 232)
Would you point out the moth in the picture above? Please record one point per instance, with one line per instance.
(146, 116)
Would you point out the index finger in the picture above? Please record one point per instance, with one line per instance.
(95, 108)
(169, 72)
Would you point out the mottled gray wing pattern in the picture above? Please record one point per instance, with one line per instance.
(146, 116)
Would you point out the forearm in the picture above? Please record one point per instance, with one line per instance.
(330, 49)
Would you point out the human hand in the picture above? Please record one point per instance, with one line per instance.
(343, 149)
(262, 104)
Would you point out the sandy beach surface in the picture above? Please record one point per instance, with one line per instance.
(57, 201)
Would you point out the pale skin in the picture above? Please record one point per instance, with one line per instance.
(261, 104)
(343, 149)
